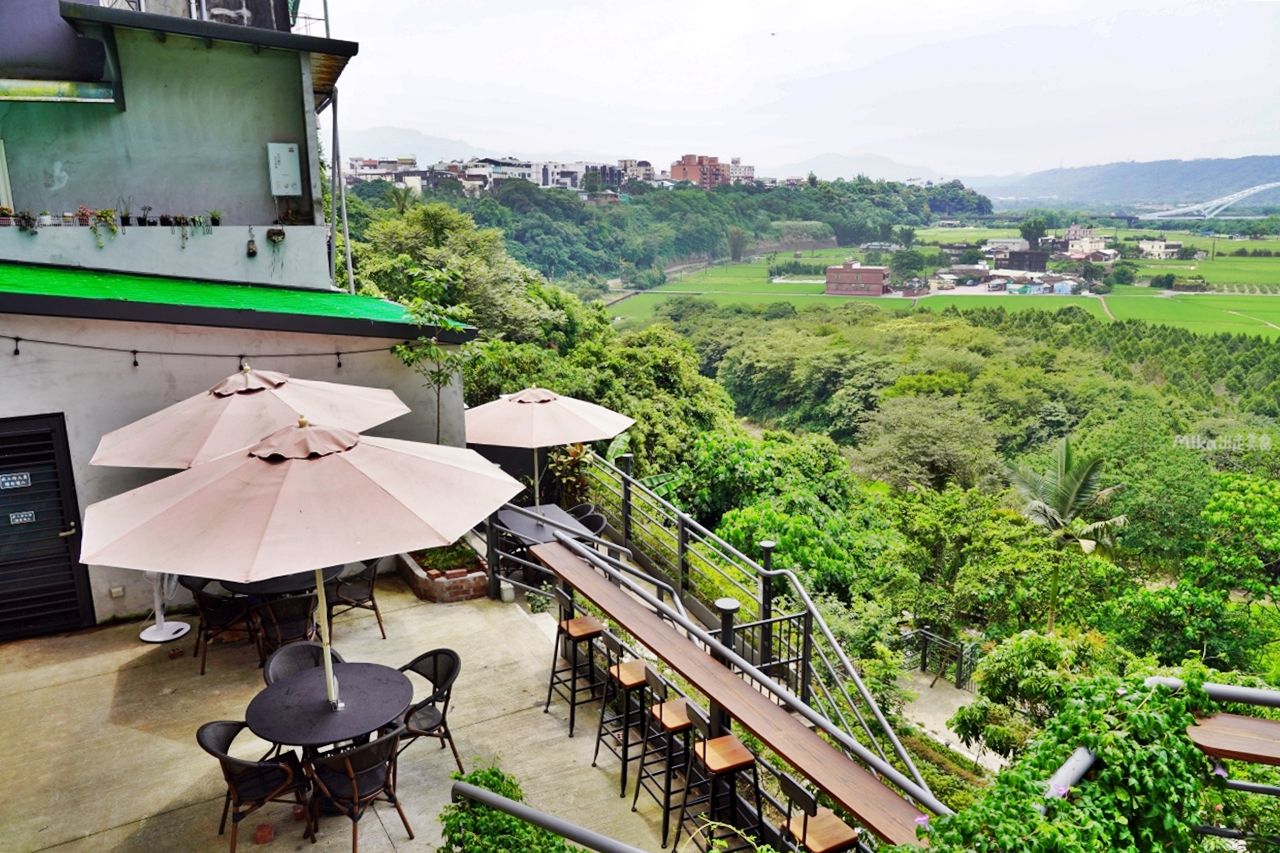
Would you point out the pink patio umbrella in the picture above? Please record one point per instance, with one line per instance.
(238, 412)
(304, 498)
(536, 417)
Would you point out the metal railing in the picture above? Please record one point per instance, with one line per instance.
(577, 834)
(930, 652)
(798, 649)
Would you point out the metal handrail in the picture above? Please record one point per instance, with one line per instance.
(611, 565)
(577, 834)
(751, 568)
(577, 534)
(919, 793)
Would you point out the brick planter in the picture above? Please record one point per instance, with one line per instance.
(444, 587)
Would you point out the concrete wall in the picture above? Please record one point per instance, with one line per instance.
(194, 136)
(301, 260)
(101, 391)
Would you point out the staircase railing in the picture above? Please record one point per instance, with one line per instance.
(797, 649)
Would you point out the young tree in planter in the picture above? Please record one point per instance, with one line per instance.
(436, 362)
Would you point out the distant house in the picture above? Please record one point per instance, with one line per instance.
(1007, 244)
(997, 285)
(1103, 256)
(975, 272)
(1029, 261)
(1085, 245)
(1160, 250)
(1077, 232)
(853, 279)
(879, 247)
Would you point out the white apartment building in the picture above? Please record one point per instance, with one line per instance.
(1086, 245)
(740, 174)
(1160, 250)
(639, 170)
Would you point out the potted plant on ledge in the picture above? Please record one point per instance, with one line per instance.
(6, 216)
(215, 216)
(84, 214)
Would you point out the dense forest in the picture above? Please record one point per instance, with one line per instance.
(1090, 502)
(567, 239)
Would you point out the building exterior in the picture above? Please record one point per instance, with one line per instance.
(104, 336)
(1160, 250)
(1029, 261)
(638, 170)
(705, 172)
(1086, 245)
(740, 174)
(1007, 244)
(853, 279)
(1077, 232)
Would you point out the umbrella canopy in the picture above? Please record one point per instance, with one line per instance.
(303, 498)
(238, 412)
(536, 417)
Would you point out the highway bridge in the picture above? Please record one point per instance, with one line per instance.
(1209, 209)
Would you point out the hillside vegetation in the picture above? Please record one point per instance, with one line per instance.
(1090, 502)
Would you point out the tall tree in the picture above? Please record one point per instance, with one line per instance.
(401, 198)
(737, 242)
(1058, 499)
(1032, 230)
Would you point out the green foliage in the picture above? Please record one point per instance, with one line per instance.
(1032, 230)
(944, 382)
(1144, 794)
(928, 442)
(797, 268)
(473, 828)
(1173, 623)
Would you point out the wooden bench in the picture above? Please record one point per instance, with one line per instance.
(1238, 738)
(876, 806)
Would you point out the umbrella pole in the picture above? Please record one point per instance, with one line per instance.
(330, 683)
(537, 490)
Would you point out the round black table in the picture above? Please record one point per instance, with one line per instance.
(294, 584)
(295, 711)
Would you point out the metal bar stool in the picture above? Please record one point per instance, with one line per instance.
(614, 731)
(816, 829)
(718, 758)
(566, 681)
(665, 747)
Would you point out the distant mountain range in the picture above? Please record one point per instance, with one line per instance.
(1133, 184)
(1121, 185)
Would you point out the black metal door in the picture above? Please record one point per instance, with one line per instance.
(43, 587)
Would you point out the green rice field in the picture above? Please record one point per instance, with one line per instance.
(1246, 297)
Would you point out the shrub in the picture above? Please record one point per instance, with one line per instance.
(472, 828)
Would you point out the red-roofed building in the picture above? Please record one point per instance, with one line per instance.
(853, 279)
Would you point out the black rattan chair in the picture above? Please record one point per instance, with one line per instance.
(253, 784)
(351, 780)
(193, 584)
(582, 509)
(355, 593)
(429, 718)
(282, 621)
(594, 522)
(294, 658)
(218, 616)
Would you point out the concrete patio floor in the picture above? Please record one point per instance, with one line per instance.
(101, 751)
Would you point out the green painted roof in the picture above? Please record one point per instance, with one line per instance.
(122, 287)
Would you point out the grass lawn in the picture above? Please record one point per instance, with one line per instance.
(1205, 313)
(1222, 270)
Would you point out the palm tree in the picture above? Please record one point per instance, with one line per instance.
(1057, 500)
(401, 198)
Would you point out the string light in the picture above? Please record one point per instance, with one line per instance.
(241, 357)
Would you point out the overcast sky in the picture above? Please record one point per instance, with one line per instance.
(973, 88)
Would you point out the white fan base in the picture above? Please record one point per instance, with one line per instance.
(164, 632)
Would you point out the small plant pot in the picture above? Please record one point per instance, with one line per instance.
(83, 220)
(215, 220)
(46, 220)
(153, 222)
(166, 220)
(6, 221)
(125, 220)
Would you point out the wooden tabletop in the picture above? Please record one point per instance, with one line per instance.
(1239, 738)
(875, 805)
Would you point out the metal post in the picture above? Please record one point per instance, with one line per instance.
(342, 189)
(333, 198)
(924, 648)
(624, 462)
(806, 657)
(766, 608)
(961, 663)
(727, 607)
(491, 554)
(682, 554)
